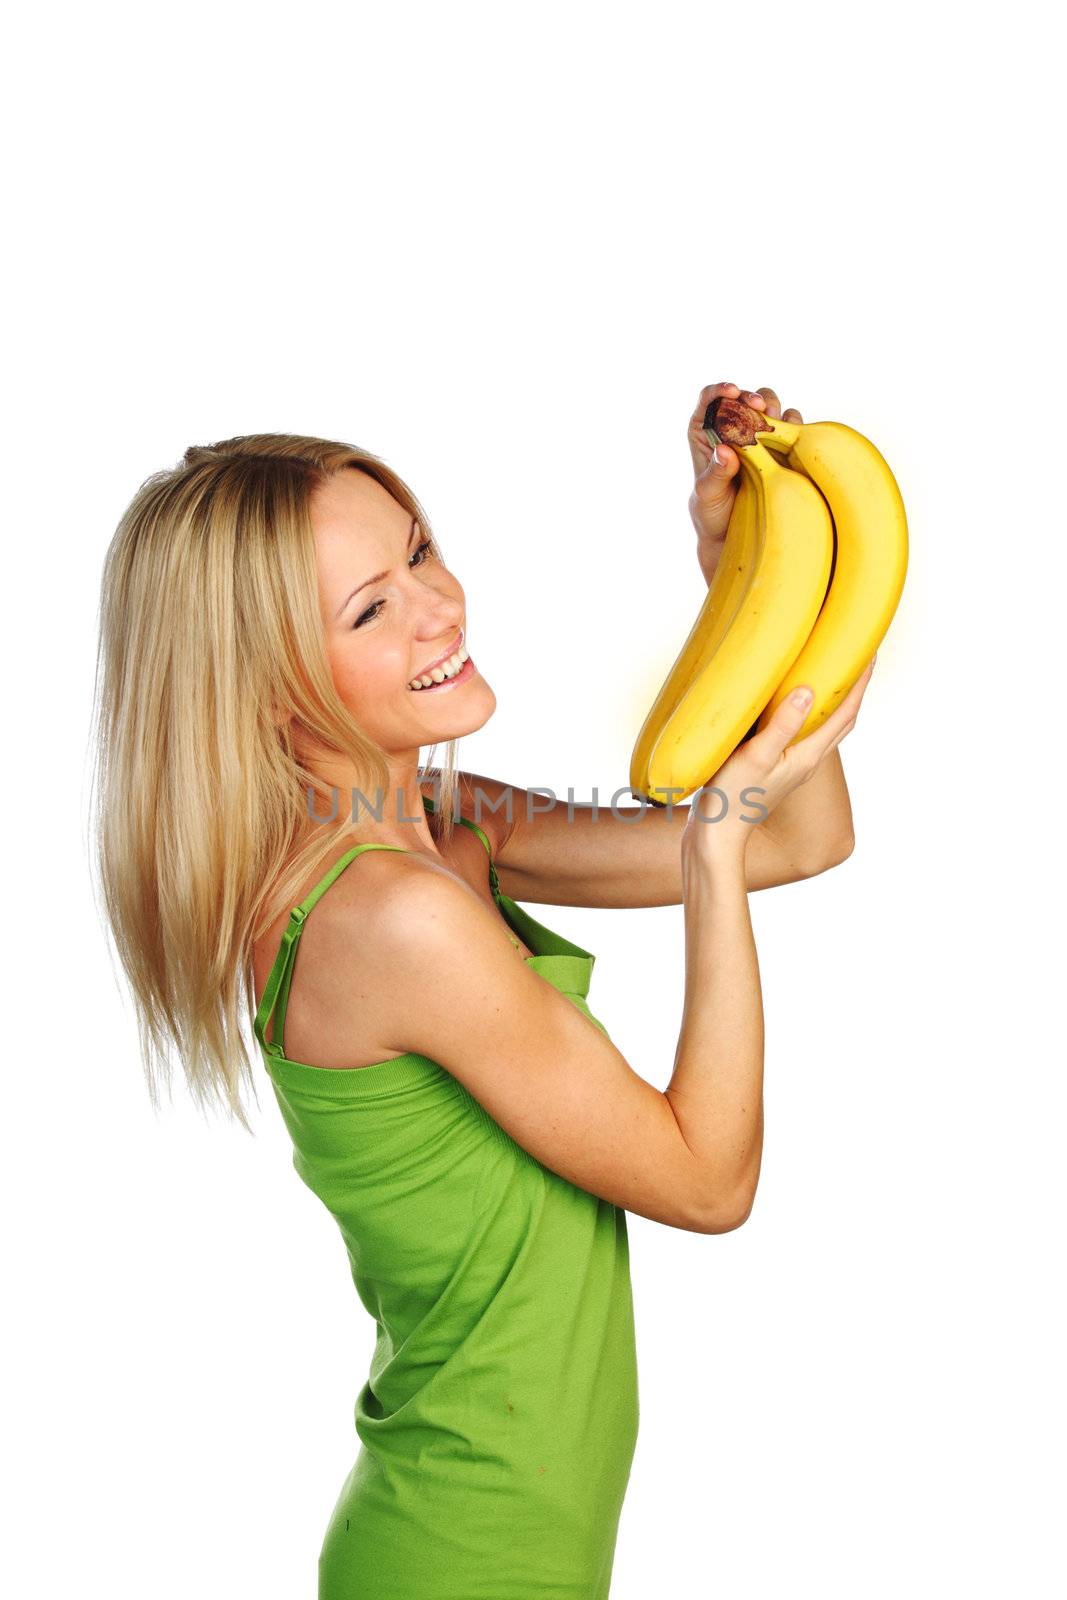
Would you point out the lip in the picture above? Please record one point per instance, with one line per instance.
(441, 659)
(466, 672)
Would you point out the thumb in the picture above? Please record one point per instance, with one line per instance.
(789, 717)
(717, 476)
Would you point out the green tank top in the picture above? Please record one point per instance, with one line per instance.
(498, 1422)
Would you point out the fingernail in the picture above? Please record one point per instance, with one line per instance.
(801, 697)
(716, 457)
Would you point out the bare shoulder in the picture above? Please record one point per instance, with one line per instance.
(389, 912)
(342, 1001)
(490, 802)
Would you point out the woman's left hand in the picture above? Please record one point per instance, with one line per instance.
(712, 499)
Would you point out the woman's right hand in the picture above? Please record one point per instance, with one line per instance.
(764, 764)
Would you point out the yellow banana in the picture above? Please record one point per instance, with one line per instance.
(726, 590)
(774, 618)
(870, 559)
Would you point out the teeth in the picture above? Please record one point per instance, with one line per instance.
(447, 669)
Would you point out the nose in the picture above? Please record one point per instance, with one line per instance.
(441, 621)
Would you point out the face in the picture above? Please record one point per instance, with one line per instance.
(381, 635)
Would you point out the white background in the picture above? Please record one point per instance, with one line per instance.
(504, 248)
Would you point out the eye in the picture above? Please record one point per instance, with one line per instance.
(372, 611)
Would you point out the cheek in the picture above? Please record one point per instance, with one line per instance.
(363, 678)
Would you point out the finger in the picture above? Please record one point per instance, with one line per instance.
(700, 446)
(726, 458)
(786, 723)
(774, 405)
(840, 719)
(850, 705)
(853, 701)
(856, 693)
(722, 465)
(792, 415)
(710, 392)
(845, 731)
(754, 398)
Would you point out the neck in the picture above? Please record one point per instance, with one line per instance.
(393, 815)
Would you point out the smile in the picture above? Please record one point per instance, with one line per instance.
(457, 669)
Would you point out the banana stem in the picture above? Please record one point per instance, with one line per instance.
(731, 422)
(783, 435)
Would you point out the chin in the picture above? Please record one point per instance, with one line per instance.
(479, 703)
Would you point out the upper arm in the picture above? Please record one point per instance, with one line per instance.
(489, 802)
(559, 852)
(450, 986)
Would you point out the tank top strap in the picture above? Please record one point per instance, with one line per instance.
(493, 882)
(276, 988)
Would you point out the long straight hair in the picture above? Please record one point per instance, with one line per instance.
(210, 641)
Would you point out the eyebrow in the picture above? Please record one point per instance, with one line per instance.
(378, 576)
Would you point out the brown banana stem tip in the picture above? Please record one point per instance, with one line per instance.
(734, 423)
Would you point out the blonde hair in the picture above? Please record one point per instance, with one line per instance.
(210, 639)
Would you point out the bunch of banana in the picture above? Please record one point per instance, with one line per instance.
(870, 559)
(728, 586)
(810, 575)
(727, 675)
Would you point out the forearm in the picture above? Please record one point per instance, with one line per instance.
(813, 825)
(716, 1088)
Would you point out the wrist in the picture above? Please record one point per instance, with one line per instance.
(717, 856)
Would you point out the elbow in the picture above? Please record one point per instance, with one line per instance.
(723, 1216)
(829, 857)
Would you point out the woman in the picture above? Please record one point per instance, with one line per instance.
(273, 613)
